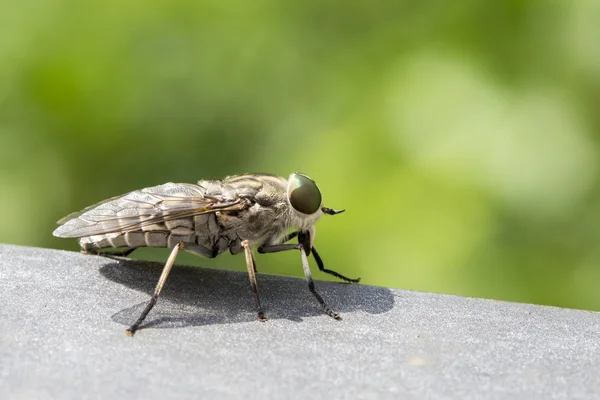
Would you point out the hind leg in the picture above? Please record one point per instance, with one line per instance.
(96, 252)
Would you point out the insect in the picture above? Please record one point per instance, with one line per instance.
(238, 213)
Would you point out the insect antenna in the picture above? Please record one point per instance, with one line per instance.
(331, 211)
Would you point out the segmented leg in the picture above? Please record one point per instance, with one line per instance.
(123, 253)
(304, 246)
(252, 275)
(276, 248)
(157, 290)
(329, 271)
(284, 247)
(201, 250)
(311, 287)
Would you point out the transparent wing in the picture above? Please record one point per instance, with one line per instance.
(147, 206)
(76, 214)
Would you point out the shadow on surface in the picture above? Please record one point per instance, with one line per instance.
(203, 296)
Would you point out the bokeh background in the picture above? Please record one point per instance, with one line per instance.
(463, 138)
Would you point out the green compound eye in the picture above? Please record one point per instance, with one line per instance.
(303, 193)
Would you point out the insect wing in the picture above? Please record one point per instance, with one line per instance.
(144, 207)
(76, 214)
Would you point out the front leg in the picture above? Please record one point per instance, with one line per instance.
(276, 248)
(330, 271)
(304, 246)
(284, 247)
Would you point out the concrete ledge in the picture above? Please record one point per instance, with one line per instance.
(63, 317)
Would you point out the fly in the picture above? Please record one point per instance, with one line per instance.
(236, 214)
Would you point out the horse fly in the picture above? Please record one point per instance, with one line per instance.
(237, 213)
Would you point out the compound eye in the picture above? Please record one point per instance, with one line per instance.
(303, 193)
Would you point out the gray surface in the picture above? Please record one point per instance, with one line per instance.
(63, 318)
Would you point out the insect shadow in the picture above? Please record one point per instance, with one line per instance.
(205, 296)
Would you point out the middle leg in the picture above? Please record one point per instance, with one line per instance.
(252, 275)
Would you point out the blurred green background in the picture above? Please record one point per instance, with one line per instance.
(462, 137)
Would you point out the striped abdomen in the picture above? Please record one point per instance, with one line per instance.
(201, 229)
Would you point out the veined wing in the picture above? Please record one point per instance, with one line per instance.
(144, 207)
(76, 214)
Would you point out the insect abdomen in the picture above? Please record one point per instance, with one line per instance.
(202, 229)
(164, 234)
(135, 239)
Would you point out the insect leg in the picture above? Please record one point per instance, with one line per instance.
(252, 275)
(289, 237)
(275, 248)
(331, 272)
(304, 247)
(159, 286)
(311, 286)
(123, 253)
(283, 247)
